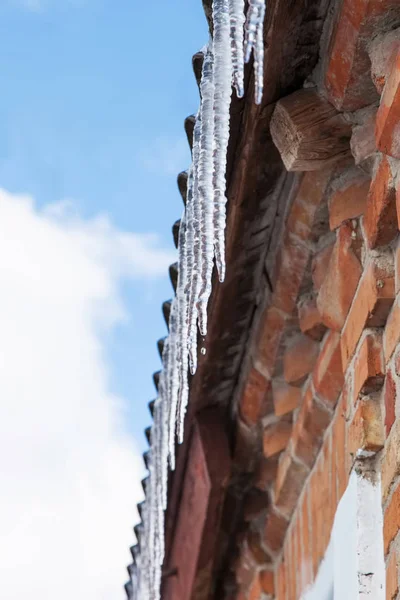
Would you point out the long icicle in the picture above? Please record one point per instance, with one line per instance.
(237, 20)
(205, 186)
(202, 234)
(222, 101)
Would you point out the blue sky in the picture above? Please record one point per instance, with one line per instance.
(93, 98)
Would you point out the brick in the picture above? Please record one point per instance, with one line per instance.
(253, 401)
(319, 265)
(339, 448)
(398, 205)
(246, 446)
(391, 459)
(383, 51)
(299, 359)
(289, 482)
(312, 421)
(328, 373)
(303, 211)
(286, 397)
(280, 581)
(362, 142)
(392, 579)
(267, 582)
(366, 428)
(270, 333)
(255, 589)
(369, 367)
(291, 266)
(256, 503)
(266, 472)
(306, 570)
(254, 543)
(276, 437)
(319, 498)
(371, 305)
(348, 76)
(380, 219)
(276, 526)
(245, 566)
(389, 396)
(391, 519)
(344, 272)
(392, 331)
(388, 117)
(310, 321)
(349, 198)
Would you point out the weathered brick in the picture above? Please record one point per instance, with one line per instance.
(389, 396)
(369, 367)
(310, 321)
(380, 218)
(289, 482)
(392, 331)
(270, 333)
(383, 51)
(349, 198)
(280, 580)
(328, 373)
(252, 403)
(348, 77)
(306, 569)
(366, 429)
(255, 588)
(363, 143)
(388, 116)
(339, 448)
(299, 359)
(303, 211)
(340, 284)
(319, 497)
(276, 437)
(267, 582)
(291, 266)
(320, 264)
(266, 472)
(391, 519)
(392, 578)
(285, 397)
(275, 529)
(311, 423)
(245, 566)
(371, 305)
(391, 459)
(254, 543)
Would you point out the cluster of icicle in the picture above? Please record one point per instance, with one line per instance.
(201, 240)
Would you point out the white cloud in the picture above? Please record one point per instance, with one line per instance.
(69, 473)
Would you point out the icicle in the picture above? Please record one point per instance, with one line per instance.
(222, 100)
(254, 40)
(183, 393)
(194, 283)
(205, 186)
(201, 237)
(237, 19)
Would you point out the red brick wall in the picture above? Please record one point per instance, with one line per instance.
(325, 358)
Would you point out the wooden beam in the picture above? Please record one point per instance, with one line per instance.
(189, 572)
(308, 132)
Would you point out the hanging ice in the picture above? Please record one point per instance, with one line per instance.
(254, 41)
(201, 240)
(237, 20)
(222, 101)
